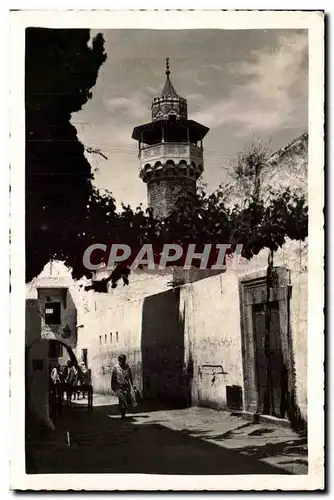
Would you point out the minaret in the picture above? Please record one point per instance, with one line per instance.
(170, 150)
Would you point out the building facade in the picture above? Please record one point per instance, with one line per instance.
(50, 338)
(202, 343)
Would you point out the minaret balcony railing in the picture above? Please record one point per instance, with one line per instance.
(170, 151)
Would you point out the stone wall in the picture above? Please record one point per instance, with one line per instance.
(286, 168)
(163, 194)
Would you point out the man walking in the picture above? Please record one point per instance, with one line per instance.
(56, 375)
(122, 384)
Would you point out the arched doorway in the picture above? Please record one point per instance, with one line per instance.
(40, 356)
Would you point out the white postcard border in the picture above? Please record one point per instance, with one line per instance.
(314, 22)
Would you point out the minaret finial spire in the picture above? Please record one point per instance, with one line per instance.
(167, 67)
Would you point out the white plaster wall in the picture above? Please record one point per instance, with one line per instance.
(100, 314)
(213, 334)
(108, 332)
(68, 313)
(212, 323)
(37, 379)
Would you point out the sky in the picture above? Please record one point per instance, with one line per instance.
(239, 83)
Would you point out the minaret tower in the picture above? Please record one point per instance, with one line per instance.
(170, 150)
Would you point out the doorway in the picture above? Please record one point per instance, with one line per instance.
(266, 345)
(84, 356)
(269, 366)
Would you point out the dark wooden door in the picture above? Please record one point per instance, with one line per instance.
(268, 358)
(261, 364)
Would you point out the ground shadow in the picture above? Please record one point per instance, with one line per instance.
(144, 406)
(217, 437)
(100, 442)
(288, 448)
(295, 461)
(261, 432)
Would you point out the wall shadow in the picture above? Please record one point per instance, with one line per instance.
(166, 376)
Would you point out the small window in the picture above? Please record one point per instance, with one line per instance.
(55, 349)
(52, 313)
(116, 336)
(100, 340)
(37, 364)
(110, 337)
(105, 338)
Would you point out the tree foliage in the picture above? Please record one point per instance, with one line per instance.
(249, 164)
(203, 219)
(61, 68)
